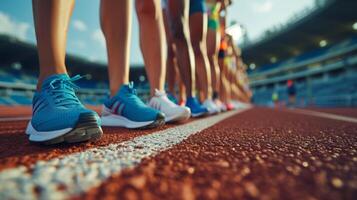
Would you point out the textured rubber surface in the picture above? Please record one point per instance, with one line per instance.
(259, 154)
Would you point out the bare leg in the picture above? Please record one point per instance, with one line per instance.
(198, 31)
(225, 86)
(51, 24)
(152, 41)
(170, 62)
(213, 38)
(171, 72)
(222, 80)
(182, 91)
(116, 26)
(179, 24)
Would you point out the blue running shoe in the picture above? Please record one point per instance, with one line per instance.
(172, 98)
(197, 110)
(58, 116)
(125, 109)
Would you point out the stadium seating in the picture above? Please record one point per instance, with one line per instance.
(325, 89)
(317, 54)
(17, 88)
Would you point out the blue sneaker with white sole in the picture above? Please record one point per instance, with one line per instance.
(125, 109)
(197, 109)
(58, 115)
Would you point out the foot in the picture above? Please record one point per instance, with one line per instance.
(172, 111)
(211, 106)
(125, 109)
(196, 108)
(58, 115)
(220, 105)
(230, 106)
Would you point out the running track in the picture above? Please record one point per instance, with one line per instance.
(257, 153)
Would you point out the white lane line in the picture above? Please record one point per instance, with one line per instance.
(13, 119)
(79, 172)
(325, 115)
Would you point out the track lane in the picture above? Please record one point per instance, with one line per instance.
(347, 112)
(15, 148)
(323, 115)
(74, 173)
(259, 154)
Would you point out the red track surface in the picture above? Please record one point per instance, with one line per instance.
(25, 111)
(261, 153)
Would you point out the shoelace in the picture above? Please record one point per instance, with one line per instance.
(62, 91)
(131, 88)
(131, 95)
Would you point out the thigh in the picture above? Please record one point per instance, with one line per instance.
(198, 27)
(177, 10)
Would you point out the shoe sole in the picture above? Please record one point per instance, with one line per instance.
(86, 129)
(120, 121)
(199, 114)
(178, 118)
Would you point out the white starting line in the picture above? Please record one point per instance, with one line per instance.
(324, 115)
(79, 172)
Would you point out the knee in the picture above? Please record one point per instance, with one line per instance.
(147, 8)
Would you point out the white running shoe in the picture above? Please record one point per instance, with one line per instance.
(220, 105)
(173, 112)
(211, 106)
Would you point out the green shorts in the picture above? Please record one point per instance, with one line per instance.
(213, 24)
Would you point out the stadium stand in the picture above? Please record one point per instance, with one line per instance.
(321, 61)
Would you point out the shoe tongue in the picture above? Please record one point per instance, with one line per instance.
(49, 79)
(159, 93)
(192, 99)
(125, 89)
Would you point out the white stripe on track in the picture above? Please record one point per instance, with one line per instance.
(324, 115)
(14, 119)
(79, 172)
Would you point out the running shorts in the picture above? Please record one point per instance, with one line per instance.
(197, 6)
(213, 16)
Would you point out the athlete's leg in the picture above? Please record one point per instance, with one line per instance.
(55, 96)
(171, 73)
(152, 41)
(182, 90)
(116, 26)
(213, 38)
(51, 24)
(198, 32)
(179, 24)
(222, 78)
(170, 61)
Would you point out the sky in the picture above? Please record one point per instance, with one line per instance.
(85, 38)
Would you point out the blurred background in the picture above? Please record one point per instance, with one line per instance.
(305, 47)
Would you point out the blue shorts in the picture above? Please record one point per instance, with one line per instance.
(197, 6)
